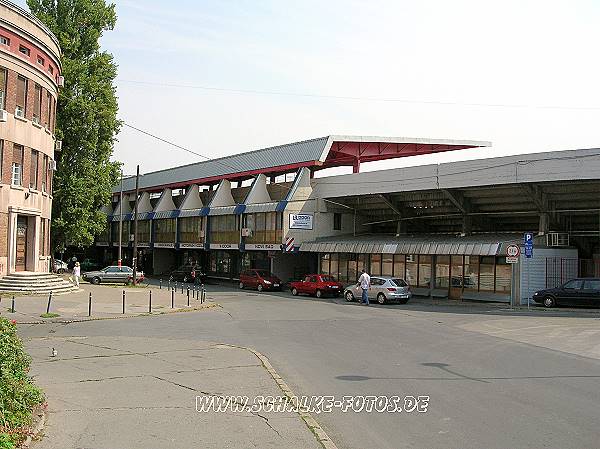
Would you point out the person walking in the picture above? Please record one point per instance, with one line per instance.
(365, 282)
(76, 273)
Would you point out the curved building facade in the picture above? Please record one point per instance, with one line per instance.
(30, 75)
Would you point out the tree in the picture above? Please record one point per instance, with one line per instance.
(86, 119)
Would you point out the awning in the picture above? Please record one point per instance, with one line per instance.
(190, 213)
(222, 210)
(261, 207)
(485, 245)
(164, 214)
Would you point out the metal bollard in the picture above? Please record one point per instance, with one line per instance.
(169, 284)
(172, 299)
(12, 307)
(90, 305)
(203, 295)
(182, 288)
(160, 284)
(49, 301)
(123, 302)
(150, 303)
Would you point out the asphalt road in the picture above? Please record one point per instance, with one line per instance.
(489, 387)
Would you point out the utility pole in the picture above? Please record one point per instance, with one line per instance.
(135, 224)
(120, 222)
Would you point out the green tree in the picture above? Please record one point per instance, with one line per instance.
(86, 120)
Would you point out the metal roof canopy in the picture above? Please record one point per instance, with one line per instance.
(319, 153)
(475, 245)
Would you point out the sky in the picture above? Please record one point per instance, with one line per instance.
(521, 74)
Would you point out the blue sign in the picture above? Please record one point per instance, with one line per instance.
(528, 243)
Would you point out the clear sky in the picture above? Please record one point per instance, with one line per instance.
(536, 54)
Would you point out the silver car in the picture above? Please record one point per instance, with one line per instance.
(116, 274)
(383, 289)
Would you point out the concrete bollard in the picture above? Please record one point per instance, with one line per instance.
(160, 284)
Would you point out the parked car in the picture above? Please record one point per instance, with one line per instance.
(122, 275)
(59, 266)
(188, 273)
(260, 280)
(317, 285)
(382, 289)
(580, 291)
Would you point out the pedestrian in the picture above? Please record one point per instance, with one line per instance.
(364, 281)
(76, 273)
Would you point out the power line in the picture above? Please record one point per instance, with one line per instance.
(357, 98)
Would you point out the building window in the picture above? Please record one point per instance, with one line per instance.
(143, 231)
(471, 276)
(37, 105)
(164, 230)
(376, 264)
(337, 221)
(442, 271)
(424, 271)
(265, 226)
(17, 166)
(387, 265)
(503, 276)
(224, 229)
(4, 41)
(2, 87)
(486, 274)
(23, 49)
(399, 267)
(33, 174)
(456, 271)
(333, 266)
(51, 69)
(411, 269)
(325, 263)
(21, 105)
(191, 230)
(45, 173)
(40, 60)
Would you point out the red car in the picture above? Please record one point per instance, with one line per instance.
(260, 280)
(317, 285)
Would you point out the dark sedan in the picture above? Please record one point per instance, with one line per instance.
(189, 273)
(576, 292)
(115, 274)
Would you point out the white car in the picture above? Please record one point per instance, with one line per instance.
(59, 266)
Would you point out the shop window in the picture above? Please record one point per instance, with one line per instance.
(387, 265)
(442, 271)
(503, 275)
(376, 264)
(224, 229)
(220, 263)
(2, 87)
(456, 271)
(344, 258)
(33, 173)
(17, 165)
(125, 225)
(4, 40)
(143, 231)
(164, 230)
(337, 221)
(333, 270)
(355, 266)
(486, 274)
(37, 105)
(191, 230)
(114, 232)
(411, 269)
(399, 266)
(424, 271)
(21, 100)
(325, 263)
(471, 276)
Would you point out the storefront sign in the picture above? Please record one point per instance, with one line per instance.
(191, 245)
(224, 246)
(261, 246)
(164, 245)
(101, 243)
(301, 221)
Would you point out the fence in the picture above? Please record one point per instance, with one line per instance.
(559, 269)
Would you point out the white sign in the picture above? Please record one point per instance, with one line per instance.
(510, 259)
(191, 245)
(164, 245)
(262, 246)
(301, 221)
(224, 246)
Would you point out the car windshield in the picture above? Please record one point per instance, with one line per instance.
(265, 274)
(400, 282)
(327, 278)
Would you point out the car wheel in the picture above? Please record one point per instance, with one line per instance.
(241, 285)
(549, 301)
(319, 294)
(295, 291)
(381, 298)
(61, 271)
(349, 296)
(260, 287)
(96, 280)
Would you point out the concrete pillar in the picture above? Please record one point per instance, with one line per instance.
(544, 225)
(401, 227)
(467, 225)
(356, 166)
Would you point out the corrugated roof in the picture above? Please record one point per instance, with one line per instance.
(475, 245)
(281, 155)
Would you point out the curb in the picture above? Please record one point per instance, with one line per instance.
(320, 434)
(37, 430)
(121, 317)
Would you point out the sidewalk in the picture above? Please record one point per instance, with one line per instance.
(107, 302)
(131, 392)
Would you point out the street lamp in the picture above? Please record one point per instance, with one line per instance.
(135, 224)
(120, 258)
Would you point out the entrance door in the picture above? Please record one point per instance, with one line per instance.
(21, 260)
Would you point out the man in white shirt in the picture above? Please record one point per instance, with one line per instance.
(365, 282)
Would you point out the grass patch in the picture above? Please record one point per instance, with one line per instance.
(49, 315)
(18, 394)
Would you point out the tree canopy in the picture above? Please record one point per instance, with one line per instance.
(86, 118)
